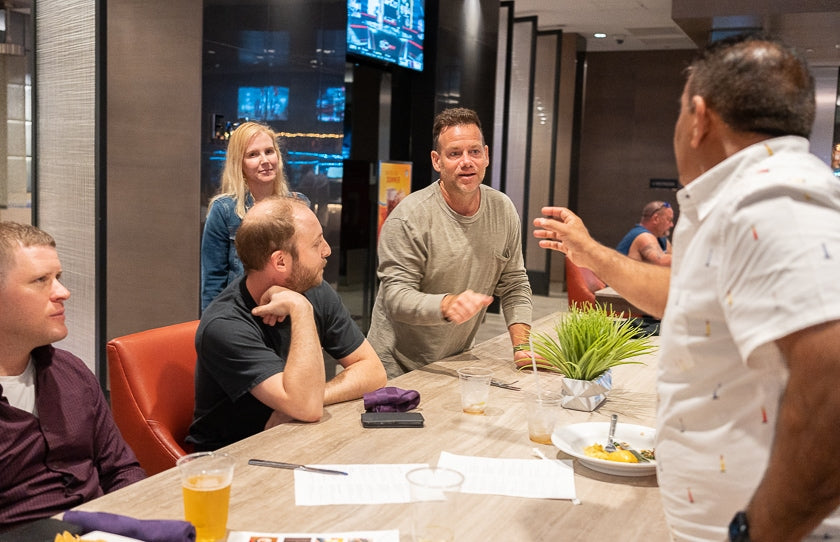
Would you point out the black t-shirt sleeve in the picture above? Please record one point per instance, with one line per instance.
(235, 353)
(339, 334)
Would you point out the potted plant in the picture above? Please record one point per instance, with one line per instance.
(586, 343)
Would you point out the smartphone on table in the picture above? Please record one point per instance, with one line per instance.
(392, 419)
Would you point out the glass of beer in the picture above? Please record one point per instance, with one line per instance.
(205, 482)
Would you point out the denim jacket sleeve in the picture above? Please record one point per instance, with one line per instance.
(217, 245)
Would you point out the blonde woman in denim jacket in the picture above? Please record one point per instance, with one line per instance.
(253, 170)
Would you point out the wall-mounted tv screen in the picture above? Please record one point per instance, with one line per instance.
(387, 30)
(331, 104)
(263, 103)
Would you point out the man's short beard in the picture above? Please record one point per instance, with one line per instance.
(303, 279)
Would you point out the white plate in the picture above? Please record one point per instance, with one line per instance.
(572, 439)
(108, 537)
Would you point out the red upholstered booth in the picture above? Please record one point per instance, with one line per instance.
(153, 393)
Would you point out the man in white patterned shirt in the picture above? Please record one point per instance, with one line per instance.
(750, 357)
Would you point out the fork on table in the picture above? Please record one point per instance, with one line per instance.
(505, 385)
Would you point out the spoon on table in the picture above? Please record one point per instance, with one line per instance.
(610, 447)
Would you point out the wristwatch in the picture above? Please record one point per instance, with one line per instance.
(739, 528)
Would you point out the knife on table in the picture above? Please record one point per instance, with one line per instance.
(292, 466)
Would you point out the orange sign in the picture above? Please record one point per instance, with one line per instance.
(394, 185)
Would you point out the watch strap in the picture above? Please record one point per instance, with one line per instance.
(739, 528)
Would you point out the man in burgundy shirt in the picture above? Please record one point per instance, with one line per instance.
(59, 446)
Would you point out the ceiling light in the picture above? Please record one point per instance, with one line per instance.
(599, 35)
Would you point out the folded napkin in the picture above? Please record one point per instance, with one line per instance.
(391, 399)
(148, 530)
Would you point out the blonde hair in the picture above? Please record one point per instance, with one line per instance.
(233, 180)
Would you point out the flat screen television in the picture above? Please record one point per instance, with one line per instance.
(263, 103)
(387, 30)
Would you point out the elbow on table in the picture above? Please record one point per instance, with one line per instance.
(304, 409)
(312, 413)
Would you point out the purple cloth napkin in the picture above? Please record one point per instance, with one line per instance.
(148, 530)
(391, 399)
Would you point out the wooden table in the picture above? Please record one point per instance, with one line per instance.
(610, 298)
(613, 508)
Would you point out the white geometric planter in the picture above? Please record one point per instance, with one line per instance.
(586, 395)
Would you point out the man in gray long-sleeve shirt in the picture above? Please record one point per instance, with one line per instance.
(444, 251)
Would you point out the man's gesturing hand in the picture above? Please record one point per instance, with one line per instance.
(461, 307)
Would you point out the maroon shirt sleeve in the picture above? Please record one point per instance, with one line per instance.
(70, 453)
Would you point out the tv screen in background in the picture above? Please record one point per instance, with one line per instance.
(387, 30)
(263, 103)
(331, 104)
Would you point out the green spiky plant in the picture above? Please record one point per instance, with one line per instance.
(587, 341)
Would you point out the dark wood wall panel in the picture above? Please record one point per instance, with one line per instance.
(630, 107)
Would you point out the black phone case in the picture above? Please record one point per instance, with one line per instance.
(392, 419)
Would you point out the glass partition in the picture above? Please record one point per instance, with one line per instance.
(16, 69)
(282, 64)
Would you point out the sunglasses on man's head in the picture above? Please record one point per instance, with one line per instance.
(664, 205)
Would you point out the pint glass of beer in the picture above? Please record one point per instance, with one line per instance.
(205, 482)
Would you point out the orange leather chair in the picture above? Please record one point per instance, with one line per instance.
(581, 285)
(153, 391)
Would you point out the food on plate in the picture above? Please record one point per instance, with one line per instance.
(67, 537)
(622, 456)
(598, 452)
